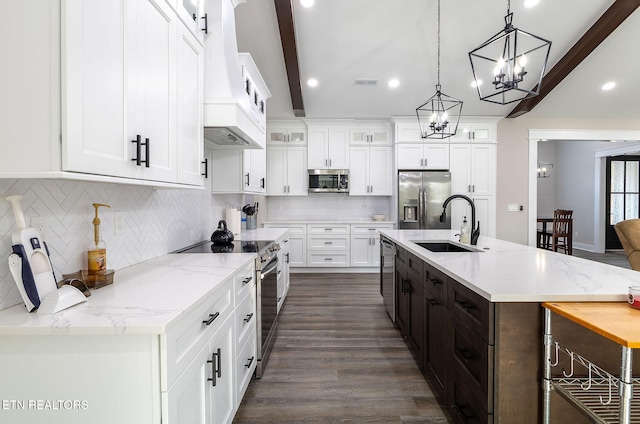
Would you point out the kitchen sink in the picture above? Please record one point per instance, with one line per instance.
(444, 246)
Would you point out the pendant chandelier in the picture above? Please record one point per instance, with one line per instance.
(438, 117)
(509, 66)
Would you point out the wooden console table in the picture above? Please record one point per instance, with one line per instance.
(615, 321)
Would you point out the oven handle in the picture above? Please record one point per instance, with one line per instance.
(268, 270)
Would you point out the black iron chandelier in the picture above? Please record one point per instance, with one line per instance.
(509, 66)
(438, 117)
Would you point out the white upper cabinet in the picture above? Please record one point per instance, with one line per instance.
(328, 147)
(287, 171)
(408, 132)
(191, 13)
(480, 132)
(473, 169)
(370, 134)
(422, 156)
(286, 133)
(113, 80)
(371, 171)
(236, 170)
(191, 166)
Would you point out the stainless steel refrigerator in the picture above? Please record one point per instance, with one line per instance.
(420, 198)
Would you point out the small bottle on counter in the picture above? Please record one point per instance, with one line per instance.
(96, 252)
(465, 231)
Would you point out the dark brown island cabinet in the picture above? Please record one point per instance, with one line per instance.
(481, 357)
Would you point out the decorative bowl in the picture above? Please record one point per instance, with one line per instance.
(379, 217)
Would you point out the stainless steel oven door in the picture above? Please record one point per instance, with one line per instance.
(267, 313)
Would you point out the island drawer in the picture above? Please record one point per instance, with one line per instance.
(414, 266)
(183, 341)
(466, 406)
(472, 362)
(435, 283)
(472, 309)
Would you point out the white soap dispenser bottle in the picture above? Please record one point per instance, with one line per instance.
(465, 231)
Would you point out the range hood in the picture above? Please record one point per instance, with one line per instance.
(235, 94)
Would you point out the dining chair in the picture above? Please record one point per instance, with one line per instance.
(628, 232)
(560, 236)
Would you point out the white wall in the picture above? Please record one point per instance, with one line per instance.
(547, 186)
(513, 166)
(318, 206)
(156, 222)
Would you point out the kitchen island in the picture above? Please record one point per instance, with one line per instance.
(172, 340)
(474, 321)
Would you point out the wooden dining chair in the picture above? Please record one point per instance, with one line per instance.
(560, 236)
(628, 232)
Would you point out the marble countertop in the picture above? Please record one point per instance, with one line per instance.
(146, 298)
(502, 271)
(328, 221)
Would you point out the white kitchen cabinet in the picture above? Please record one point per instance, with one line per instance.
(283, 270)
(361, 134)
(328, 245)
(105, 73)
(422, 156)
(191, 165)
(238, 171)
(287, 171)
(328, 147)
(245, 330)
(480, 132)
(285, 133)
(473, 173)
(370, 171)
(191, 13)
(297, 242)
(365, 244)
(408, 131)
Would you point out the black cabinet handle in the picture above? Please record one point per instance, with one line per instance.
(246, 280)
(146, 153)
(433, 302)
(248, 178)
(435, 281)
(138, 158)
(248, 318)
(262, 182)
(466, 354)
(460, 411)
(249, 362)
(206, 167)
(216, 366)
(206, 24)
(212, 317)
(466, 305)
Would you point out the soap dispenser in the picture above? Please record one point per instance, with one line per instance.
(465, 231)
(97, 251)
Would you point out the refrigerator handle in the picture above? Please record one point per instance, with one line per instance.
(424, 209)
(421, 208)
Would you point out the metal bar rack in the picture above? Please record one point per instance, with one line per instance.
(601, 396)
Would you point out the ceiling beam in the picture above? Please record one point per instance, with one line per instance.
(604, 26)
(284, 12)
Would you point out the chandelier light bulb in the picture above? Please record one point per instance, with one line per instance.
(434, 117)
(522, 61)
(517, 69)
(444, 117)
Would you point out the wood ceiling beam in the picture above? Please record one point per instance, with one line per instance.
(604, 26)
(284, 13)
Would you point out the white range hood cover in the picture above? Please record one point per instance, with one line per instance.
(227, 105)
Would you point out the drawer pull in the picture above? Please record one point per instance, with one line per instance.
(433, 302)
(212, 318)
(328, 259)
(466, 305)
(328, 229)
(466, 354)
(405, 288)
(328, 242)
(435, 281)
(460, 411)
(216, 367)
(249, 362)
(248, 318)
(246, 280)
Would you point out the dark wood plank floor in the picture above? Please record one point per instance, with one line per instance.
(338, 359)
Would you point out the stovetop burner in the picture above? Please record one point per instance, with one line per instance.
(237, 246)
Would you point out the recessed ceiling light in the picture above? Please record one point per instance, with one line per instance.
(307, 3)
(312, 82)
(393, 83)
(609, 85)
(475, 83)
(530, 3)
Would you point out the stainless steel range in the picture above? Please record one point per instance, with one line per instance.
(266, 286)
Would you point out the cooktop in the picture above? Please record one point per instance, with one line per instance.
(237, 246)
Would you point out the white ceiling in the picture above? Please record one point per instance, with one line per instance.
(340, 40)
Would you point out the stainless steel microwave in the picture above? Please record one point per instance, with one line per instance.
(329, 180)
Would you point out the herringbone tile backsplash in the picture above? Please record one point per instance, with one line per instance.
(155, 222)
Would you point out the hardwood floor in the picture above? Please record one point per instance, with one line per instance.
(338, 359)
(611, 257)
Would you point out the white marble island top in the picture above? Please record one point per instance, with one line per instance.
(146, 298)
(508, 272)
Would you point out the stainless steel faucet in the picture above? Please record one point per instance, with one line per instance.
(475, 231)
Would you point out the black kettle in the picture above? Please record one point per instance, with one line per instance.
(222, 235)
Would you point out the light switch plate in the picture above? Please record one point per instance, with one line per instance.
(512, 207)
(118, 227)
